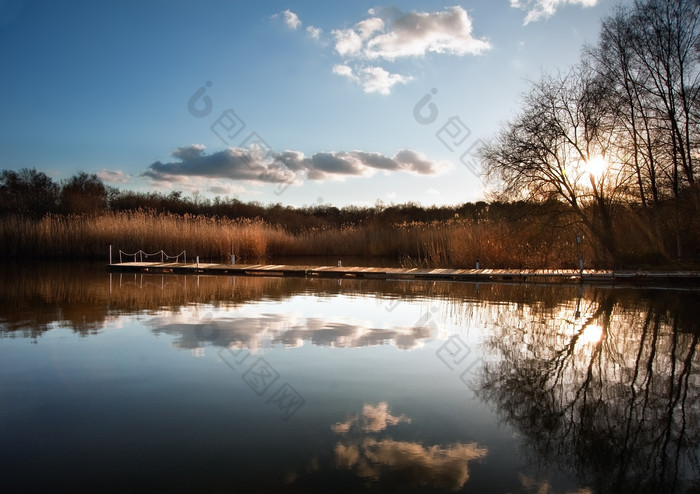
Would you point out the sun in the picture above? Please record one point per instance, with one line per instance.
(596, 166)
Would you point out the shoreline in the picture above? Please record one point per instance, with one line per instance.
(561, 276)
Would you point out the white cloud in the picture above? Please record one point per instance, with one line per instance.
(314, 32)
(411, 34)
(388, 34)
(114, 176)
(345, 71)
(544, 9)
(372, 79)
(291, 19)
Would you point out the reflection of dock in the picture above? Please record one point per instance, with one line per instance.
(439, 274)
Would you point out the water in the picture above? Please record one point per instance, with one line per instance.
(150, 383)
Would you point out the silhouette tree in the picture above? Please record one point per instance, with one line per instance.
(83, 194)
(548, 150)
(27, 192)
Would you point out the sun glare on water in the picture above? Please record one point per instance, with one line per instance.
(591, 334)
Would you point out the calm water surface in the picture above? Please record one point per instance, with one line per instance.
(150, 383)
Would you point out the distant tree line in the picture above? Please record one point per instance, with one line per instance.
(32, 193)
(617, 138)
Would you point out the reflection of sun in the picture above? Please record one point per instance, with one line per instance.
(596, 166)
(591, 334)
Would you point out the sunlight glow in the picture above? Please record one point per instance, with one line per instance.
(597, 166)
(591, 334)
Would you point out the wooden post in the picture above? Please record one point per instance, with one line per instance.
(580, 257)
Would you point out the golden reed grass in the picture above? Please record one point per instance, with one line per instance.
(453, 243)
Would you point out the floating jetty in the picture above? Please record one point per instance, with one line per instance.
(609, 277)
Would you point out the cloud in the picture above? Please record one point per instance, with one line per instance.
(314, 32)
(372, 79)
(291, 19)
(391, 460)
(288, 330)
(232, 163)
(114, 176)
(373, 418)
(226, 190)
(390, 34)
(544, 9)
(288, 167)
(391, 465)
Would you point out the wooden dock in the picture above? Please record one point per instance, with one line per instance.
(656, 278)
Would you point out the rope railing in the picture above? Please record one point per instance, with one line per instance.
(140, 255)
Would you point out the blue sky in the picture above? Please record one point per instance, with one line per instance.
(298, 102)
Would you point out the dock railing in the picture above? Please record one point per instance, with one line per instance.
(140, 256)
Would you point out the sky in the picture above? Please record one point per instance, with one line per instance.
(295, 102)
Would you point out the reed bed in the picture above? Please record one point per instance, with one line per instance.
(88, 237)
(453, 243)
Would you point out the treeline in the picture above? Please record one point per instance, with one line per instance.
(617, 138)
(32, 193)
(80, 217)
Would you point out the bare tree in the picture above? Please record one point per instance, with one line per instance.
(551, 150)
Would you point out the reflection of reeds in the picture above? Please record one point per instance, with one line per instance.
(83, 296)
(440, 244)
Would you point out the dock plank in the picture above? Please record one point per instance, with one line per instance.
(684, 278)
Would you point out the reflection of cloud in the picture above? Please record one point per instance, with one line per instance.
(409, 462)
(544, 487)
(390, 463)
(266, 329)
(373, 418)
(399, 461)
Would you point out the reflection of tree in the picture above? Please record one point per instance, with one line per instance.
(620, 408)
(35, 297)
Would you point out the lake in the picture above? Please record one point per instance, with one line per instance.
(167, 383)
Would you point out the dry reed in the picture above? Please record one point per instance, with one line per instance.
(454, 243)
